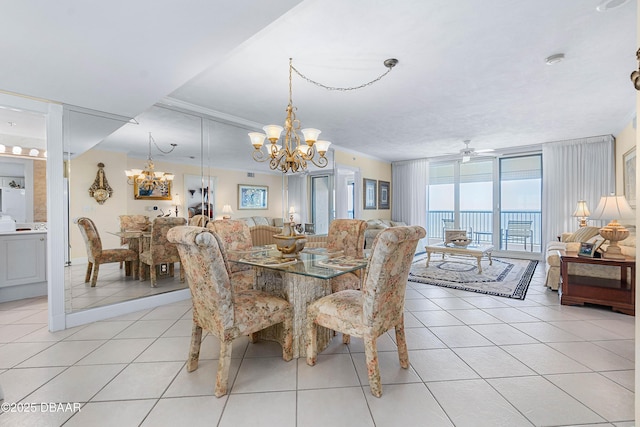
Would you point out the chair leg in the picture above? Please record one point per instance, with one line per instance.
(287, 345)
(171, 269)
(346, 338)
(127, 268)
(141, 271)
(152, 273)
(371, 353)
(181, 273)
(87, 277)
(401, 339)
(94, 277)
(194, 349)
(134, 267)
(312, 338)
(222, 378)
(120, 265)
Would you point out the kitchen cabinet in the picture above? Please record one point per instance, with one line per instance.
(23, 265)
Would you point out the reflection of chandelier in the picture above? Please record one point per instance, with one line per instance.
(148, 178)
(292, 156)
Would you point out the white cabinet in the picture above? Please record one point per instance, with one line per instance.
(23, 258)
(5, 181)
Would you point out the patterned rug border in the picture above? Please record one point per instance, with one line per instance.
(519, 292)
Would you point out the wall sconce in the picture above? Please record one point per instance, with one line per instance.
(635, 76)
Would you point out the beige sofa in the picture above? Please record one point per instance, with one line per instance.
(570, 242)
(375, 226)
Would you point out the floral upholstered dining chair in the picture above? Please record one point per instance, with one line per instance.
(132, 223)
(159, 250)
(347, 235)
(218, 309)
(235, 236)
(199, 220)
(96, 255)
(377, 308)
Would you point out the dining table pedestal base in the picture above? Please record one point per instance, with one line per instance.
(300, 291)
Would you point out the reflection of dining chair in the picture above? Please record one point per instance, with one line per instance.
(377, 308)
(518, 231)
(159, 250)
(198, 221)
(96, 255)
(225, 313)
(132, 223)
(346, 235)
(235, 235)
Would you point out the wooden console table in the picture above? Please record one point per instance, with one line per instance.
(618, 292)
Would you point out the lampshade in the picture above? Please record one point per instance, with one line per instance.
(612, 207)
(581, 209)
(226, 212)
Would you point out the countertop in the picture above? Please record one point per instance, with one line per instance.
(12, 233)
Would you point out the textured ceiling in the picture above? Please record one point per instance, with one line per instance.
(468, 69)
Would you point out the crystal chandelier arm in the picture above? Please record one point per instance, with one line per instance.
(389, 63)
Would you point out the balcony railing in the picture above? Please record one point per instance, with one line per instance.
(480, 223)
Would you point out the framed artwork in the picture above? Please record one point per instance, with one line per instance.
(161, 192)
(200, 195)
(383, 194)
(253, 196)
(586, 249)
(369, 193)
(629, 176)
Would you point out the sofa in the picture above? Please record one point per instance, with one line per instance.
(252, 221)
(375, 226)
(570, 242)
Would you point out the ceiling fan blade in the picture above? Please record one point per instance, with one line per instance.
(485, 150)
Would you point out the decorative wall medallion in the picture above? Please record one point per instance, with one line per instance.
(100, 189)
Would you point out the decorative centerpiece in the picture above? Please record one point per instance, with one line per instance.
(461, 242)
(290, 245)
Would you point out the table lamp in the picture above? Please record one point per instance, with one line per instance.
(226, 212)
(582, 212)
(176, 199)
(613, 207)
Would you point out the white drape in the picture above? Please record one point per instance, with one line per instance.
(579, 169)
(297, 185)
(409, 182)
(343, 174)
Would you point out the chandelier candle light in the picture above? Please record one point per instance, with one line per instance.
(613, 208)
(294, 153)
(148, 178)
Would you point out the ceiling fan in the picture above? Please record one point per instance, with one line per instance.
(468, 152)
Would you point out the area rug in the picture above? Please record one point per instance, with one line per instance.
(508, 278)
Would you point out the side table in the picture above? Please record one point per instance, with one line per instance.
(614, 285)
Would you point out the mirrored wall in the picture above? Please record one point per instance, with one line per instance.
(208, 158)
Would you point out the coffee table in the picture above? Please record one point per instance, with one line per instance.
(476, 251)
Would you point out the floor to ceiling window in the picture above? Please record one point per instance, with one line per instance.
(497, 201)
(320, 203)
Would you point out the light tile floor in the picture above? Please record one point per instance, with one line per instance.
(476, 360)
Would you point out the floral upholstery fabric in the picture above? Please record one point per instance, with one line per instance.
(346, 235)
(133, 222)
(160, 250)
(218, 309)
(378, 307)
(235, 236)
(96, 255)
(199, 220)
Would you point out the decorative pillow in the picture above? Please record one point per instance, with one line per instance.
(260, 220)
(248, 220)
(398, 224)
(375, 223)
(629, 241)
(277, 222)
(583, 234)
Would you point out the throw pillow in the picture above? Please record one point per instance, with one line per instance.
(277, 222)
(583, 234)
(260, 220)
(398, 224)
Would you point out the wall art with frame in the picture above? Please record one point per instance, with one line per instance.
(384, 193)
(253, 197)
(161, 192)
(369, 193)
(629, 176)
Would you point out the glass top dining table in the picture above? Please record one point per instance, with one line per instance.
(316, 262)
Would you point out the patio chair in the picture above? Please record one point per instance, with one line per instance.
(518, 231)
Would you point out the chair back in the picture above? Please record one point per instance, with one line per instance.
(161, 249)
(203, 258)
(519, 228)
(347, 235)
(448, 223)
(91, 238)
(386, 275)
(133, 222)
(198, 221)
(235, 235)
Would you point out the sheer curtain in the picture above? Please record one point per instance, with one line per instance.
(409, 181)
(297, 185)
(578, 169)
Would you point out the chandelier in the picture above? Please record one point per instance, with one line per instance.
(148, 179)
(296, 150)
